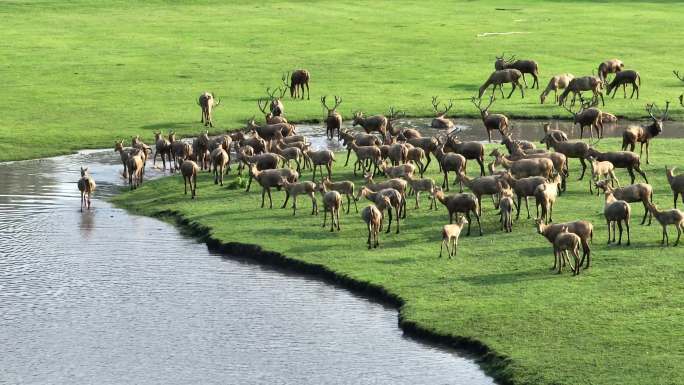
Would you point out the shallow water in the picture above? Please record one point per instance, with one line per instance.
(473, 129)
(104, 297)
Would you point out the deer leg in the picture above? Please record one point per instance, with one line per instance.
(348, 154)
(619, 223)
(528, 208)
(517, 208)
(640, 171)
(631, 174)
(525, 81)
(398, 216)
(389, 225)
(308, 93)
(679, 233)
(664, 235)
(481, 163)
(624, 91)
(628, 236)
(647, 153)
(536, 80)
(512, 90)
(325, 216)
(675, 199)
(287, 198)
(445, 182)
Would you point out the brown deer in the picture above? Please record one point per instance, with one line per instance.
(268, 115)
(277, 108)
(585, 83)
(587, 115)
(644, 134)
(558, 82)
(524, 66)
(441, 121)
(491, 121)
(333, 120)
(611, 66)
(298, 80)
(498, 78)
(371, 123)
(207, 101)
(623, 78)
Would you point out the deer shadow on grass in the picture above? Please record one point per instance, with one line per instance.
(510, 277)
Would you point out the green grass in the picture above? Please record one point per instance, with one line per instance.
(80, 74)
(619, 322)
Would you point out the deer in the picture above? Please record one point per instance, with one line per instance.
(465, 203)
(189, 171)
(300, 188)
(162, 148)
(441, 121)
(571, 149)
(298, 80)
(587, 115)
(332, 201)
(220, 159)
(643, 134)
(372, 216)
(616, 212)
(469, 150)
(378, 197)
(333, 119)
(451, 162)
(267, 179)
(584, 83)
(136, 165)
(450, 234)
(524, 188)
(566, 241)
(86, 185)
(640, 192)
(584, 229)
(491, 121)
(345, 187)
(526, 167)
(361, 139)
(319, 159)
(623, 78)
(558, 82)
(269, 131)
(620, 159)
(276, 97)
(498, 78)
(207, 101)
(601, 169)
(371, 123)
(612, 66)
(556, 135)
(545, 196)
(676, 183)
(668, 217)
(506, 206)
(524, 66)
(263, 105)
(484, 185)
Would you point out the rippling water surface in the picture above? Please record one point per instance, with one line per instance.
(104, 297)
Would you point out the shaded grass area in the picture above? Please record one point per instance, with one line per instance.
(617, 323)
(80, 74)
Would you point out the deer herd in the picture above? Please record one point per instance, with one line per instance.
(402, 156)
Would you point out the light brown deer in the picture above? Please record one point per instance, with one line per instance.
(611, 66)
(263, 105)
(643, 134)
(558, 82)
(491, 122)
(207, 101)
(524, 66)
(587, 115)
(86, 185)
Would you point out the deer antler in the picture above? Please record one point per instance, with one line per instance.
(282, 90)
(511, 59)
(477, 104)
(667, 108)
(286, 76)
(448, 108)
(262, 103)
(435, 104)
(491, 101)
(394, 114)
(649, 109)
(271, 94)
(676, 73)
(338, 101)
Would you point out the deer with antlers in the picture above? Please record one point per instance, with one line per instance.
(441, 121)
(298, 80)
(524, 66)
(207, 101)
(276, 97)
(681, 97)
(643, 134)
(491, 121)
(588, 115)
(584, 83)
(499, 78)
(268, 115)
(333, 120)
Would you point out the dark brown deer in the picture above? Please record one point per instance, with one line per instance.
(372, 123)
(623, 78)
(524, 66)
(207, 101)
(276, 106)
(499, 78)
(587, 115)
(611, 66)
(584, 83)
(491, 122)
(333, 119)
(441, 121)
(298, 80)
(643, 134)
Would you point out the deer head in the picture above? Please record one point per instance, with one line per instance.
(338, 101)
(477, 102)
(656, 127)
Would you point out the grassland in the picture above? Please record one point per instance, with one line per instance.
(617, 323)
(80, 74)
